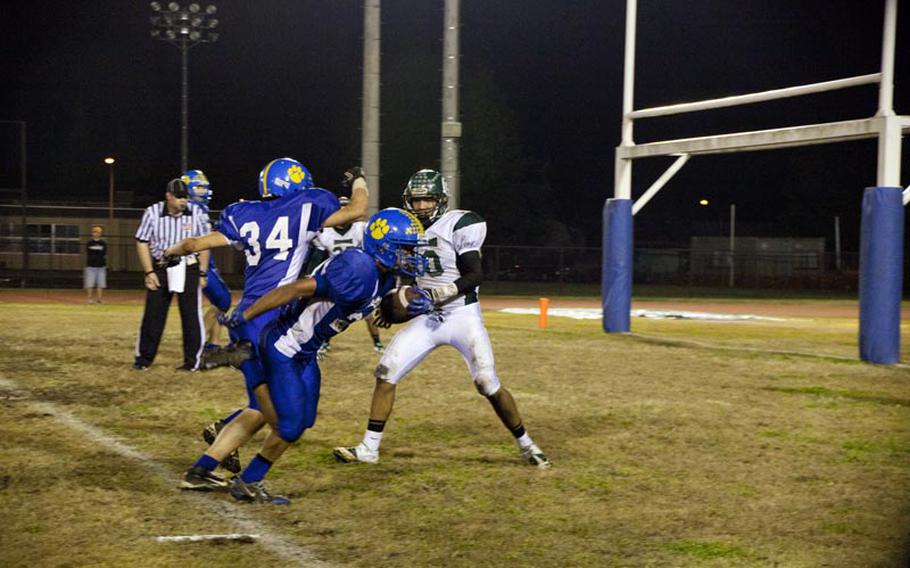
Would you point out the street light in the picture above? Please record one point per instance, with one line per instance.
(183, 26)
(110, 191)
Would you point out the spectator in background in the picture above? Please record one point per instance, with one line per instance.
(165, 224)
(95, 266)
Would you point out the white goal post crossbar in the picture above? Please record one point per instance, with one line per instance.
(882, 212)
(885, 125)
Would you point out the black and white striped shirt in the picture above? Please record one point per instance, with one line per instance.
(161, 230)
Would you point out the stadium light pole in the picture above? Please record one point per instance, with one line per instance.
(110, 189)
(184, 26)
(451, 123)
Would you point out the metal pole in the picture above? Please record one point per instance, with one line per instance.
(24, 198)
(732, 244)
(889, 135)
(369, 140)
(622, 188)
(110, 197)
(837, 242)
(451, 127)
(184, 105)
(886, 87)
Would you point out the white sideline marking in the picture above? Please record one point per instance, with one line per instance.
(203, 537)
(276, 543)
(594, 313)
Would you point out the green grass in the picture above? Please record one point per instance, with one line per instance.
(672, 446)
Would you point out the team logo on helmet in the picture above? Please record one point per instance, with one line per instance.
(392, 237)
(379, 228)
(282, 177)
(296, 174)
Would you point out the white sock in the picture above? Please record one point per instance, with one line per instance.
(524, 441)
(372, 440)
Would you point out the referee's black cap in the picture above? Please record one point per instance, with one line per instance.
(177, 188)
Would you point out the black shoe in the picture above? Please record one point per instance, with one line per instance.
(232, 355)
(187, 368)
(255, 493)
(200, 479)
(230, 463)
(140, 367)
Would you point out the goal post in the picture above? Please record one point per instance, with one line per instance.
(878, 316)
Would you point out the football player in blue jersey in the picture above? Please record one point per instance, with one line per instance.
(217, 292)
(342, 291)
(275, 235)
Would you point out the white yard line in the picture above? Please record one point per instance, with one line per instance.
(274, 542)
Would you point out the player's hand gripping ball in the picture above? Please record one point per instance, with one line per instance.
(404, 303)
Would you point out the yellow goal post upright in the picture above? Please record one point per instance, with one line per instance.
(881, 248)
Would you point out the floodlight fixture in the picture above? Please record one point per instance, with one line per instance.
(109, 160)
(184, 25)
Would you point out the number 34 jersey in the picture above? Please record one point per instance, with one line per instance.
(456, 232)
(276, 236)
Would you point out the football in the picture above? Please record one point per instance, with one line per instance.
(394, 305)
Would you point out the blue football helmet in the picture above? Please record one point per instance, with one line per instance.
(391, 237)
(282, 177)
(198, 187)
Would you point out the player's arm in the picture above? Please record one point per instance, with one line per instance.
(470, 268)
(357, 208)
(145, 259)
(198, 244)
(303, 288)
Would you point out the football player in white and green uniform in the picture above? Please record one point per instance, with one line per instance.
(452, 277)
(331, 241)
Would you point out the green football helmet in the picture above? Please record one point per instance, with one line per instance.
(426, 184)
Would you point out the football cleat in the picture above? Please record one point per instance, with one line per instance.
(255, 492)
(378, 347)
(535, 457)
(359, 453)
(322, 352)
(200, 479)
(230, 463)
(232, 355)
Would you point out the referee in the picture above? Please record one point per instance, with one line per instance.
(163, 224)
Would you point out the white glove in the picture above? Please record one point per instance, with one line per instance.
(443, 294)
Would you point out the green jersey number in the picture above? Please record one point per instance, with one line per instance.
(434, 263)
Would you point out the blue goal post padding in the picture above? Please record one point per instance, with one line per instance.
(880, 274)
(616, 276)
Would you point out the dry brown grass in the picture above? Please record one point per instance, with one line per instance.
(665, 454)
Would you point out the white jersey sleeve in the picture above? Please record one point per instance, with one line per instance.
(470, 232)
(456, 232)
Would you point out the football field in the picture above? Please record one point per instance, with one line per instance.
(689, 442)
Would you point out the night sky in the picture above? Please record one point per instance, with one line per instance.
(541, 101)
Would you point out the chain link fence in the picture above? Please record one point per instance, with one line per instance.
(52, 254)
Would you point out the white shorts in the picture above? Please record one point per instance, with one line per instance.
(462, 328)
(95, 277)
